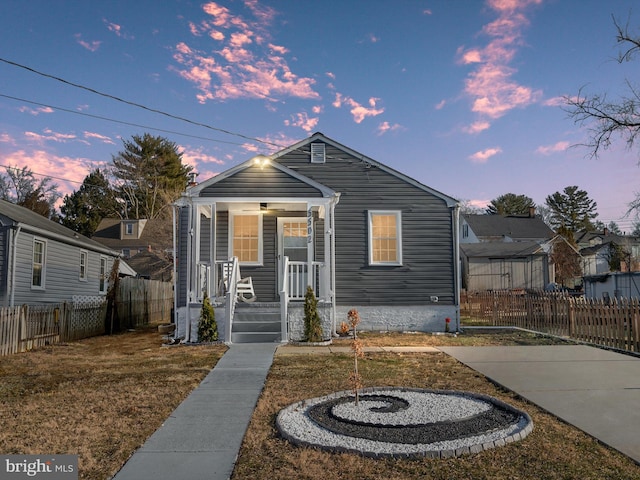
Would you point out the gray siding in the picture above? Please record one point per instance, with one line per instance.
(260, 182)
(62, 272)
(427, 236)
(181, 271)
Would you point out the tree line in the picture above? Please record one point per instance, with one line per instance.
(141, 182)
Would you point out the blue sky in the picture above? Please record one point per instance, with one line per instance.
(464, 96)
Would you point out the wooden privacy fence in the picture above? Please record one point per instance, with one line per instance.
(26, 327)
(139, 302)
(613, 323)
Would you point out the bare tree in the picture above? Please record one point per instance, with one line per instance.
(605, 118)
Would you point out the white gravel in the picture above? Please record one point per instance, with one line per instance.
(425, 407)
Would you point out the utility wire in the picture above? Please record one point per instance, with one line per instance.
(99, 117)
(138, 105)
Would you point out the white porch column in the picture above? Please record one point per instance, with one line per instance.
(309, 245)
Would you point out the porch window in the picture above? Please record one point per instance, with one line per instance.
(37, 272)
(246, 239)
(385, 238)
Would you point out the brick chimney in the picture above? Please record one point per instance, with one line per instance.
(532, 212)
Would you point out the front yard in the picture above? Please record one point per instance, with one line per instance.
(102, 397)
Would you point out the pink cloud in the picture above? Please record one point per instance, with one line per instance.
(555, 102)
(556, 147)
(91, 46)
(303, 121)
(358, 111)
(196, 158)
(245, 65)
(491, 86)
(477, 127)
(386, 127)
(440, 105)
(35, 111)
(97, 136)
(484, 155)
(50, 135)
(117, 29)
(6, 138)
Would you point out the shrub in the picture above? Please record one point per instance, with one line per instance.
(312, 324)
(207, 326)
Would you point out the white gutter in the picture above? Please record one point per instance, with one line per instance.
(14, 247)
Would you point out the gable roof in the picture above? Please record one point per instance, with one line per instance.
(266, 162)
(513, 226)
(35, 223)
(108, 233)
(450, 201)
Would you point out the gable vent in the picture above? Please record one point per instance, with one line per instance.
(317, 153)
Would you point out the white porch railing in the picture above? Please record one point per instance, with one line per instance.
(297, 279)
(284, 301)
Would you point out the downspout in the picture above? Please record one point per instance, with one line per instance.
(14, 248)
(175, 268)
(189, 272)
(334, 202)
(455, 214)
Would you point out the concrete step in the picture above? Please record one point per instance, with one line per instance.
(257, 326)
(256, 316)
(255, 337)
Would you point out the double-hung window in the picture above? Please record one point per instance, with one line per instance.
(84, 258)
(102, 287)
(385, 237)
(246, 238)
(38, 265)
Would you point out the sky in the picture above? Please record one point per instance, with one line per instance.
(465, 96)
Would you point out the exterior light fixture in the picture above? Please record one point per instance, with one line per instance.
(261, 161)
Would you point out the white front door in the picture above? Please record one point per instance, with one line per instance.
(292, 243)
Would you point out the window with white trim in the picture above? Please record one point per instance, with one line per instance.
(385, 237)
(39, 263)
(103, 275)
(245, 240)
(84, 260)
(128, 228)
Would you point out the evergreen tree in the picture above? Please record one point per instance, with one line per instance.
(83, 210)
(149, 175)
(510, 204)
(571, 210)
(207, 326)
(312, 323)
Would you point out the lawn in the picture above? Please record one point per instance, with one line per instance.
(554, 450)
(99, 398)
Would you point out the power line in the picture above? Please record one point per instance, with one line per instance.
(138, 105)
(99, 117)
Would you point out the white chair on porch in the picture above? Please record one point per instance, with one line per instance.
(244, 286)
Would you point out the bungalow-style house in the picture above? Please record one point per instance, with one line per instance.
(131, 236)
(317, 214)
(44, 262)
(505, 252)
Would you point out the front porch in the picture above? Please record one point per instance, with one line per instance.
(283, 246)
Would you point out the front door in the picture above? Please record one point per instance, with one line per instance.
(292, 243)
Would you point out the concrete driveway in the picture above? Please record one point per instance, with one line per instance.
(594, 389)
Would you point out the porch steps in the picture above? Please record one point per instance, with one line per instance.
(256, 323)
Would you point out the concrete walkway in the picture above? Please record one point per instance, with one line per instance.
(596, 390)
(202, 437)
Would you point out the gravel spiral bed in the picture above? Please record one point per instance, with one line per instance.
(402, 422)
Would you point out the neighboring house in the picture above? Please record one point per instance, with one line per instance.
(45, 262)
(318, 213)
(151, 266)
(505, 252)
(597, 249)
(130, 237)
